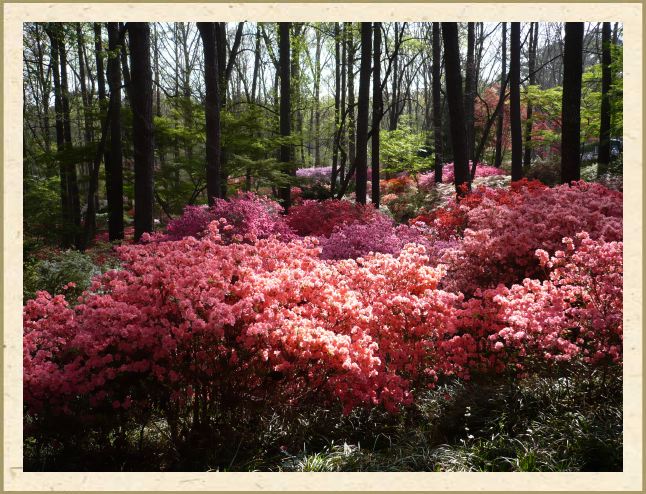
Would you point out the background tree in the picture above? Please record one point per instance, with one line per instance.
(377, 110)
(514, 104)
(363, 111)
(571, 102)
(501, 115)
(437, 95)
(456, 106)
(606, 82)
(142, 125)
(285, 107)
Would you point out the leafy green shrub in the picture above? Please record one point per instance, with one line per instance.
(548, 172)
(52, 275)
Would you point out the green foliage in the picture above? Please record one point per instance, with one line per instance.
(399, 151)
(53, 274)
(41, 210)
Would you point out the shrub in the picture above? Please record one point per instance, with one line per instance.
(248, 215)
(70, 270)
(318, 218)
(353, 240)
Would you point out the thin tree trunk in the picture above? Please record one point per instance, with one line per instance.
(606, 82)
(142, 126)
(350, 69)
(469, 90)
(437, 110)
(456, 106)
(514, 104)
(114, 161)
(337, 104)
(124, 66)
(72, 181)
(501, 115)
(377, 110)
(531, 62)
(571, 104)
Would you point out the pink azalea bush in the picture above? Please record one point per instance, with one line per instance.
(246, 214)
(498, 230)
(319, 218)
(426, 180)
(353, 240)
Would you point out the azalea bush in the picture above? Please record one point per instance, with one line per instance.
(245, 213)
(319, 218)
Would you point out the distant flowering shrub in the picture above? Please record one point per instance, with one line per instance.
(427, 180)
(353, 240)
(247, 215)
(318, 218)
(315, 174)
(396, 185)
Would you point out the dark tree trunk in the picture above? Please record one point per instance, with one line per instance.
(606, 81)
(470, 90)
(114, 161)
(343, 137)
(437, 110)
(142, 125)
(124, 66)
(337, 104)
(377, 110)
(571, 105)
(501, 114)
(256, 66)
(362, 113)
(212, 110)
(514, 104)
(285, 107)
(350, 69)
(53, 33)
(74, 200)
(531, 65)
(456, 106)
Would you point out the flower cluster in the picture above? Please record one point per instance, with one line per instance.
(319, 218)
(317, 174)
(427, 180)
(247, 215)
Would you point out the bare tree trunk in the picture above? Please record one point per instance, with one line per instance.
(571, 105)
(124, 66)
(514, 104)
(470, 90)
(337, 104)
(343, 136)
(437, 110)
(606, 82)
(531, 62)
(114, 161)
(377, 111)
(350, 63)
(456, 106)
(142, 126)
(501, 115)
(72, 181)
(285, 106)
(212, 110)
(362, 113)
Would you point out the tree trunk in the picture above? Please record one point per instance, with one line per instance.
(606, 82)
(124, 66)
(74, 200)
(362, 113)
(501, 115)
(343, 136)
(114, 163)
(337, 104)
(212, 110)
(470, 90)
(377, 110)
(456, 106)
(142, 125)
(514, 104)
(531, 63)
(571, 103)
(350, 69)
(52, 31)
(285, 107)
(437, 110)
